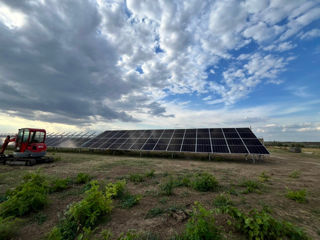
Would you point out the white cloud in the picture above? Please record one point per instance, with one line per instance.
(314, 33)
(10, 17)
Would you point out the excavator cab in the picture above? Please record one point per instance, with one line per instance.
(30, 142)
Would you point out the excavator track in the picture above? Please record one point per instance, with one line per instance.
(13, 161)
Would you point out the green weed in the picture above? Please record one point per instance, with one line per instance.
(106, 234)
(295, 174)
(251, 186)
(149, 174)
(40, 218)
(133, 235)
(83, 215)
(264, 177)
(58, 185)
(153, 212)
(9, 227)
(116, 190)
(83, 178)
(166, 188)
(201, 226)
(136, 177)
(29, 196)
(299, 196)
(222, 201)
(204, 182)
(261, 225)
(128, 200)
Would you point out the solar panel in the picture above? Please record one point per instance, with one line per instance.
(202, 140)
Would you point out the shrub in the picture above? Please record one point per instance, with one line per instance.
(83, 215)
(29, 196)
(166, 188)
(222, 201)
(260, 225)
(9, 227)
(83, 178)
(116, 190)
(58, 185)
(298, 196)
(204, 182)
(201, 226)
(95, 204)
(128, 200)
(295, 174)
(251, 186)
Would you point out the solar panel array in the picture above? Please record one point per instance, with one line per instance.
(68, 139)
(205, 140)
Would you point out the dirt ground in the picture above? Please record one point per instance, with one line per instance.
(106, 168)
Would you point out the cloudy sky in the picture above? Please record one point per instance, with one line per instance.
(135, 64)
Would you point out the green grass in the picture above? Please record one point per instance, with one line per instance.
(299, 196)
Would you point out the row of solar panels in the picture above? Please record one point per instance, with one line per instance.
(205, 140)
(214, 140)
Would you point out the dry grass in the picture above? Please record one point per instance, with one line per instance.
(106, 168)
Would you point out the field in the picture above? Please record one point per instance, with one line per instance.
(248, 186)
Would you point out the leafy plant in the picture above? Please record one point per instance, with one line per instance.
(205, 182)
(83, 215)
(222, 201)
(201, 226)
(251, 186)
(261, 225)
(136, 177)
(58, 185)
(9, 227)
(295, 174)
(166, 188)
(128, 200)
(83, 178)
(29, 196)
(116, 190)
(299, 196)
(182, 181)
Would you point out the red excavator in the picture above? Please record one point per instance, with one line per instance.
(29, 149)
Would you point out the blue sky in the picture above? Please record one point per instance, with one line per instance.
(100, 64)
